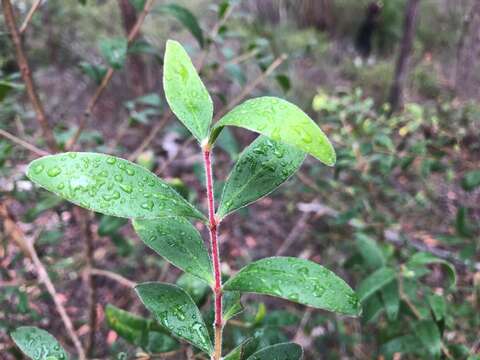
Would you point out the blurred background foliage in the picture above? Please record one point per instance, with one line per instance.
(398, 216)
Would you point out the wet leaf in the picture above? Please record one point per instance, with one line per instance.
(186, 17)
(281, 121)
(297, 280)
(177, 240)
(185, 93)
(261, 168)
(375, 282)
(175, 310)
(139, 331)
(38, 344)
(108, 185)
(285, 351)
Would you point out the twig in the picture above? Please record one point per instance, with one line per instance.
(113, 276)
(12, 229)
(32, 10)
(107, 77)
(294, 233)
(251, 86)
(23, 143)
(153, 133)
(27, 75)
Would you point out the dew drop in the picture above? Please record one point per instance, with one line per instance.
(111, 160)
(147, 205)
(38, 169)
(55, 171)
(127, 188)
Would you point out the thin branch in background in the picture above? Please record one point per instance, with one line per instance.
(294, 233)
(27, 75)
(12, 229)
(29, 17)
(113, 276)
(23, 143)
(106, 79)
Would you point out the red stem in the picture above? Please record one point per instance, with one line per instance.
(215, 255)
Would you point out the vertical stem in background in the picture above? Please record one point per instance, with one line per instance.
(215, 254)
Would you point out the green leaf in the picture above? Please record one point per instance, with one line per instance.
(246, 348)
(282, 121)
(371, 253)
(185, 93)
(110, 225)
(186, 17)
(232, 306)
(402, 344)
(139, 331)
(375, 282)
(285, 351)
(298, 280)
(471, 180)
(114, 51)
(429, 335)
(391, 299)
(262, 167)
(37, 343)
(195, 287)
(6, 87)
(108, 185)
(284, 82)
(94, 72)
(418, 260)
(175, 310)
(438, 306)
(177, 240)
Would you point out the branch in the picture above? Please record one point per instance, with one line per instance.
(23, 143)
(107, 77)
(32, 10)
(27, 75)
(14, 231)
(113, 276)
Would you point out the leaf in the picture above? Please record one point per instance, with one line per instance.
(139, 331)
(227, 142)
(187, 19)
(462, 224)
(471, 180)
(375, 282)
(138, 4)
(262, 167)
(175, 310)
(284, 82)
(402, 344)
(246, 348)
(298, 280)
(177, 240)
(371, 253)
(110, 225)
(6, 87)
(281, 121)
(94, 72)
(232, 306)
(391, 299)
(423, 258)
(37, 343)
(114, 51)
(285, 351)
(108, 185)
(438, 306)
(429, 335)
(185, 93)
(195, 287)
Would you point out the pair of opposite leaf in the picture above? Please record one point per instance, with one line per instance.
(117, 187)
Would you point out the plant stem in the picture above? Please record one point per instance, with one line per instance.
(215, 255)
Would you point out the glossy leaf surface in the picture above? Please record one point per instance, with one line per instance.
(186, 17)
(285, 351)
(177, 240)
(108, 185)
(139, 331)
(232, 305)
(175, 310)
(261, 168)
(187, 96)
(242, 351)
(38, 344)
(375, 282)
(298, 280)
(281, 121)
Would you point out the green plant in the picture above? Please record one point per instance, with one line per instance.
(160, 216)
